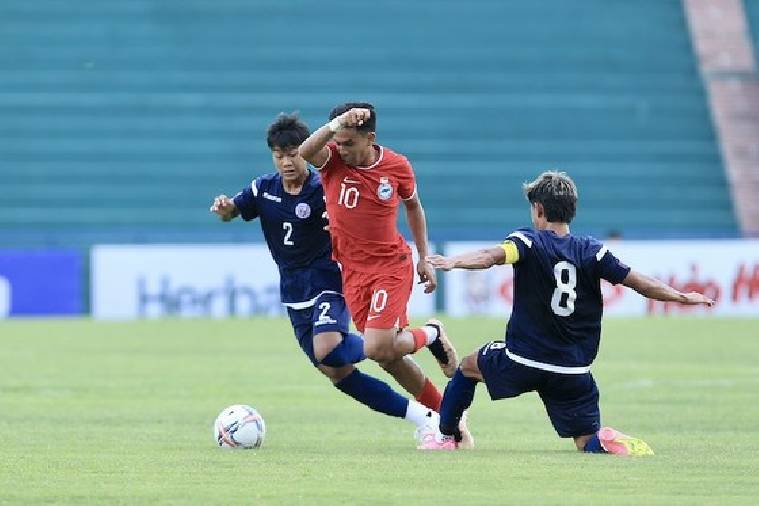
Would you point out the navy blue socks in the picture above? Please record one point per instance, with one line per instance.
(373, 393)
(457, 398)
(594, 445)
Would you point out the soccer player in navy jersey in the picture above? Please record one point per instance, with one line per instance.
(290, 206)
(553, 334)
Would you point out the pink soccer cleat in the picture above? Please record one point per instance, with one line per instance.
(431, 441)
(617, 443)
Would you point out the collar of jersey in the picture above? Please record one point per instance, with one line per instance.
(281, 184)
(379, 159)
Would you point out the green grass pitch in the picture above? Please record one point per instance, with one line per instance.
(121, 413)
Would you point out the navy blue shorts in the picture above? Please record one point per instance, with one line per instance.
(328, 314)
(571, 400)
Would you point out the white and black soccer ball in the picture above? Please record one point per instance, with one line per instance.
(239, 426)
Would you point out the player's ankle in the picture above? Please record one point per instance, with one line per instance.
(432, 332)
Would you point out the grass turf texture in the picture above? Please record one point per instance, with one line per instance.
(114, 413)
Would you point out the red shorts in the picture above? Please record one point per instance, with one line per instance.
(378, 300)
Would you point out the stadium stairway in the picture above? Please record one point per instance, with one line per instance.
(119, 121)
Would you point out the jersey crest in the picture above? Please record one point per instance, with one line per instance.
(302, 210)
(385, 189)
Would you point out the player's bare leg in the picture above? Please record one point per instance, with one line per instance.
(336, 374)
(407, 373)
(370, 391)
(387, 346)
(325, 342)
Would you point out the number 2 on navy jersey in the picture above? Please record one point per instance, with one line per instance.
(563, 288)
(288, 228)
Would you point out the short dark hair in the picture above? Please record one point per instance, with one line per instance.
(368, 126)
(287, 131)
(556, 192)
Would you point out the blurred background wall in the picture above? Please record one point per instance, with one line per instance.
(120, 120)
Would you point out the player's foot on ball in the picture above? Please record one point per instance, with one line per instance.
(617, 443)
(432, 440)
(442, 349)
(467, 441)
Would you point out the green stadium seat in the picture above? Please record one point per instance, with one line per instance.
(120, 121)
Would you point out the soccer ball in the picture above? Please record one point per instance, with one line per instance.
(239, 426)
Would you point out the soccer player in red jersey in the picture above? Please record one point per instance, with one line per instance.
(364, 184)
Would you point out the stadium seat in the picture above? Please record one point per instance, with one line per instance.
(128, 117)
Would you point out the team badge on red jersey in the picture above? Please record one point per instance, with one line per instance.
(385, 190)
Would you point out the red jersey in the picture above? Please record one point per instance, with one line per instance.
(362, 203)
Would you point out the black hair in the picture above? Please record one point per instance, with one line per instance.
(369, 125)
(556, 192)
(287, 131)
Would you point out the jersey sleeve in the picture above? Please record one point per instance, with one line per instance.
(245, 201)
(610, 267)
(406, 181)
(522, 238)
(332, 158)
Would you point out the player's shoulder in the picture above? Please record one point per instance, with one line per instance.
(588, 247)
(265, 182)
(314, 179)
(313, 184)
(526, 236)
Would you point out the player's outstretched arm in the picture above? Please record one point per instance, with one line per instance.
(314, 149)
(417, 222)
(480, 259)
(225, 208)
(655, 289)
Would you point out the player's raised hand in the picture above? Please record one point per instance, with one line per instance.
(224, 207)
(440, 262)
(695, 298)
(426, 276)
(354, 117)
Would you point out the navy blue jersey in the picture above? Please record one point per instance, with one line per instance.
(293, 227)
(557, 311)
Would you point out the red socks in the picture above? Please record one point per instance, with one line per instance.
(420, 339)
(430, 396)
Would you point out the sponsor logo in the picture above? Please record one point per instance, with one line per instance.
(269, 196)
(302, 210)
(167, 296)
(350, 181)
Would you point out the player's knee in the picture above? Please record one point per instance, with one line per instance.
(379, 351)
(336, 374)
(324, 343)
(469, 367)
